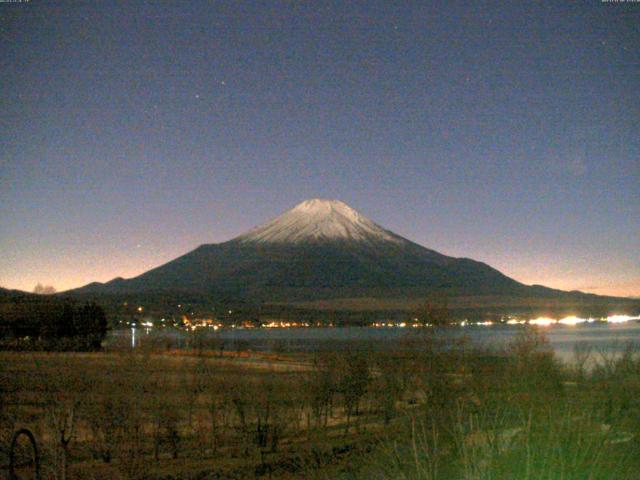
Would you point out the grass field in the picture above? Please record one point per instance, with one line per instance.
(433, 412)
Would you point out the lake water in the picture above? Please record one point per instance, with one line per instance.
(563, 339)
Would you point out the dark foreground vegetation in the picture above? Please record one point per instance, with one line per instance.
(44, 322)
(433, 412)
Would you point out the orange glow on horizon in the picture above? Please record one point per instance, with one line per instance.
(67, 273)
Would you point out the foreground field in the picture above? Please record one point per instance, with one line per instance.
(433, 412)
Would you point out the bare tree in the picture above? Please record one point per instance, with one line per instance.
(320, 389)
(44, 289)
(388, 385)
(165, 426)
(62, 401)
(219, 409)
(353, 384)
(107, 417)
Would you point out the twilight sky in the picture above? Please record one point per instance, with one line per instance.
(132, 132)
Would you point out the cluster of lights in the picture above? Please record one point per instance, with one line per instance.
(485, 324)
(281, 324)
(395, 325)
(620, 318)
(515, 321)
(542, 321)
(539, 321)
(573, 320)
(200, 323)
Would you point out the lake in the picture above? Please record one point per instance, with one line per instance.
(563, 339)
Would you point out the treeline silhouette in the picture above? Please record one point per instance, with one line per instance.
(31, 322)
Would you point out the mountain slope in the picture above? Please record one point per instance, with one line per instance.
(319, 250)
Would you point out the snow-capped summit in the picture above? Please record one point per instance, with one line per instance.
(320, 220)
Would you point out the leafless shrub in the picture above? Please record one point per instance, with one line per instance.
(353, 381)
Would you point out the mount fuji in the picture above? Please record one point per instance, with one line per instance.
(324, 254)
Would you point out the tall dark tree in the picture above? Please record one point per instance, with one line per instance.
(90, 325)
